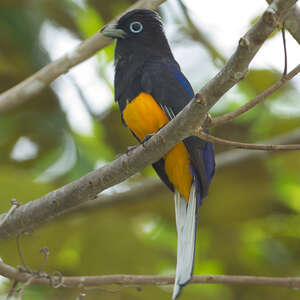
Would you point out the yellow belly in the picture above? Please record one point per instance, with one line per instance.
(144, 116)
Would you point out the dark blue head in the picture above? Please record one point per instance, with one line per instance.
(139, 32)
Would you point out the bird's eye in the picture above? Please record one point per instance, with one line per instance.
(136, 27)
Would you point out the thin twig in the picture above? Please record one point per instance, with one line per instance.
(45, 251)
(213, 139)
(285, 50)
(22, 289)
(32, 275)
(20, 253)
(123, 279)
(12, 289)
(258, 99)
(56, 280)
(15, 205)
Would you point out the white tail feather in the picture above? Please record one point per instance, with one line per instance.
(186, 217)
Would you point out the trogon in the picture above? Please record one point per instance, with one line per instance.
(151, 90)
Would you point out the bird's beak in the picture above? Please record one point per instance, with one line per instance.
(112, 31)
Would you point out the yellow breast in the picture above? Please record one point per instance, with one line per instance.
(144, 116)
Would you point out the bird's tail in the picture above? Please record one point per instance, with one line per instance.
(186, 223)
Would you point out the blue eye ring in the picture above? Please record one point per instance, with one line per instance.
(136, 27)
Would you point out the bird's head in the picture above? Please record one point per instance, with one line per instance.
(139, 32)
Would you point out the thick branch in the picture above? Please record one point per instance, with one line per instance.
(39, 81)
(93, 281)
(183, 125)
(209, 138)
(260, 98)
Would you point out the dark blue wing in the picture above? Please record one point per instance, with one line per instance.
(172, 91)
(168, 86)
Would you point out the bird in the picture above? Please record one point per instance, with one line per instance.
(151, 90)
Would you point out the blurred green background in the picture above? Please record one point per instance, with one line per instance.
(249, 225)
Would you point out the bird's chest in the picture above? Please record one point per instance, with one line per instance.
(143, 115)
(127, 81)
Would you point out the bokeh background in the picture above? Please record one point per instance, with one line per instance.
(250, 223)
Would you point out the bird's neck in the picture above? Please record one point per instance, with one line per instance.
(138, 52)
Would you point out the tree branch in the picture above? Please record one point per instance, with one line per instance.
(92, 281)
(238, 155)
(209, 138)
(183, 125)
(236, 113)
(36, 83)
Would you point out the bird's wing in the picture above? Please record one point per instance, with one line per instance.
(172, 91)
(167, 85)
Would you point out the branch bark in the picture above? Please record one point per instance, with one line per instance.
(39, 81)
(93, 281)
(183, 125)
